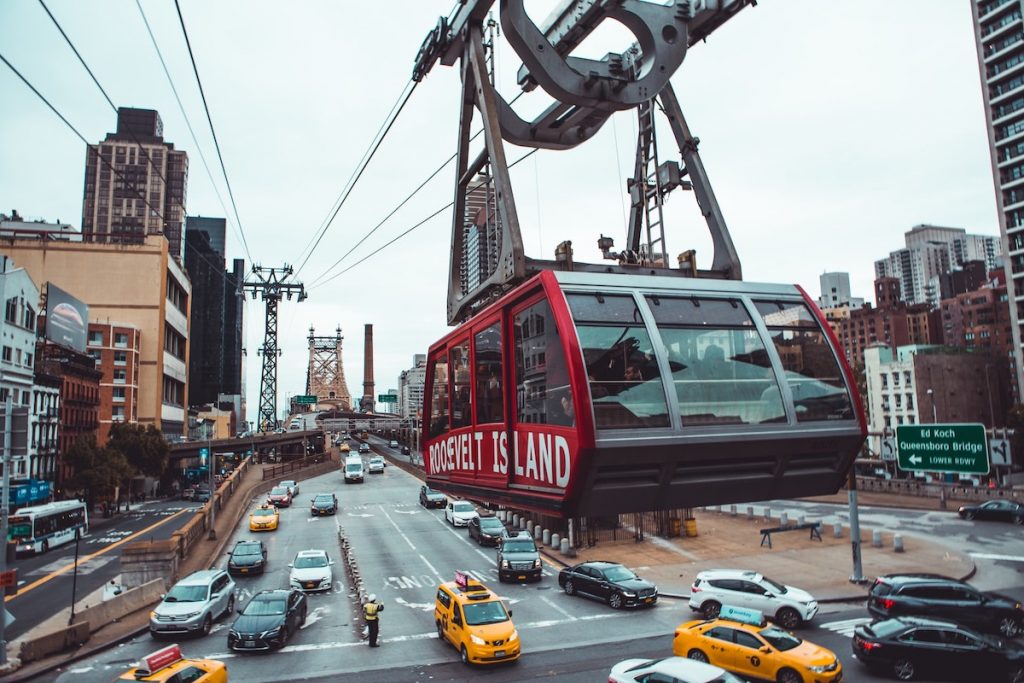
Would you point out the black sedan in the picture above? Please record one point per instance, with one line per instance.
(912, 647)
(268, 621)
(997, 510)
(247, 557)
(324, 504)
(486, 530)
(429, 498)
(609, 582)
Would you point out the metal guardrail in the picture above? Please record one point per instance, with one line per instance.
(195, 528)
(276, 471)
(909, 487)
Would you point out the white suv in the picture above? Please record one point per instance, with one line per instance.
(785, 605)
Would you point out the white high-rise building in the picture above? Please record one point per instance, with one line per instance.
(835, 291)
(410, 388)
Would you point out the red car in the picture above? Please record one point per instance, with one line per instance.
(280, 496)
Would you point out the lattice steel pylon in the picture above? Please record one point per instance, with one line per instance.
(271, 284)
(325, 377)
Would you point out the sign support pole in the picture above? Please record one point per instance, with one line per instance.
(858, 571)
(5, 497)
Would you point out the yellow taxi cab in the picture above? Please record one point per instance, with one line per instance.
(343, 448)
(475, 621)
(264, 518)
(168, 665)
(744, 642)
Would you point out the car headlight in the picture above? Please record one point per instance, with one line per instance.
(272, 633)
(504, 564)
(536, 563)
(152, 615)
(232, 633)
(477, 639)
(820, 669)
(628, 594)
(514, 636)
(190, 615)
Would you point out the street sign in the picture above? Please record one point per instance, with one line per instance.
(204, 453)
(305, 400)
(387, 398)
(889, 449)
(958, 448)
(999, 451)
(8, 578)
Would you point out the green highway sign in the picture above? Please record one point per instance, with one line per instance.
(387, 398)
(306, 400)
(959, 448)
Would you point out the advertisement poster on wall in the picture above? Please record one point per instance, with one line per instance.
(67, 318)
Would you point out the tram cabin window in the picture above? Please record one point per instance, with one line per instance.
(542, 378)
(812, 369)
(459, 358)
(439, 395)
(625, 381)
(721, 371)
(490, 402)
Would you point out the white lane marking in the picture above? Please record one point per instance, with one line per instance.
(402, 534)
(350, 514)
(408, 512)
(845, 627)
(990, 556)
(316, 615)
(464, 538)
(551, 603)
(424, 606)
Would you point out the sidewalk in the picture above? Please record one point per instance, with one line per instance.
(723, 541)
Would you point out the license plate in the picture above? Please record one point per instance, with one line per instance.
(245, 571)
(648, 599)
(250, 643)
(521, 576)
(499, 653)
(310, 585)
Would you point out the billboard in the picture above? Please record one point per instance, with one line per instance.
(67, 318)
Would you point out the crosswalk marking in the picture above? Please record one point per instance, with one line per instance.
(845, 627)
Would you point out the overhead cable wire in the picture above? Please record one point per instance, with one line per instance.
(75, 50)
(403, 234)
(213, 132)
(188, 124)
(367, 157)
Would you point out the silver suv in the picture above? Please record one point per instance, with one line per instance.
(193, 604)
(785, 605)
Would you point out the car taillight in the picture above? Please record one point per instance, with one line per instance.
(679, 632)
(886, 603)
(868, 646)
(695, 589)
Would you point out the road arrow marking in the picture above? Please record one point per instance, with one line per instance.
(352, 514)
(407, 512)
(424, 606)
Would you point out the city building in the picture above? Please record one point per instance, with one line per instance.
(16, 226)
(233, 364)
(410, 388)
(137, 285)
(480, 248)
(997, 32)
(77, 380)
(116, 351)
(20, 295)
(893, 323)
(215, 229)
(835, 291)
(205, 268)
(135, 184)
(44, 447)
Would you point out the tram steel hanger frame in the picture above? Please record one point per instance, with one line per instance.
(586, 93)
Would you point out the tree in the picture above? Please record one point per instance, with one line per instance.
(98, 471)
(144, 448)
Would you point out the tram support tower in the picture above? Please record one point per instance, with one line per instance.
(271, 284)
(325, 377)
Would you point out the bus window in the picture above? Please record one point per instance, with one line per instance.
(490, 403)
(543, 395)
(438, 396)
(459, 359)
(812, 370)
(625, 382)
(720, 367)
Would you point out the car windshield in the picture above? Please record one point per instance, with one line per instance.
(480, 613)
(462, 507)
(618, 574)
(279, 491)
(430, 492)
(324, 500)
(377, 459)
(264, 512)
(247, 549)
(288, 483)
(264, 607)
(779, 639)
(491, 524)
(524, 546)
(186, 594)
(777, 587)
(354, 466)
(308, 561)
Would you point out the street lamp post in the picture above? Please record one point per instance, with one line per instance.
(942, 484)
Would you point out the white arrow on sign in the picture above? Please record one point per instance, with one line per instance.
(915, 459)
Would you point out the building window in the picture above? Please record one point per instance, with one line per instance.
(120, 358)
(121, 340)
(95, 338)
(117, 414)
(119, 394)
(895, 379)
(906, 378)
(28, 360)
(29, 318)
(119, 376)
(885, 381)
(8, 353)
(11, 313)
(910, 401)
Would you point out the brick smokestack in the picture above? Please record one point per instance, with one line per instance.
(366, 404)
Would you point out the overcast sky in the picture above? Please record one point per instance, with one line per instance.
(828, 129)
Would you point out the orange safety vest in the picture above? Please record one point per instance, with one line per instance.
(371, 609)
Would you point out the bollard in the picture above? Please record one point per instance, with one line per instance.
(897, 542)
(564, 546)
(767, 513)
(523, 521)
(529, 526)
(802, 519)
(501, 515)
(732, 510)
(876, 538)
(515, 520)
(750, 512)
(837, 530)
(556, 540)
(537, 535)
(546, 537)
(784, 519)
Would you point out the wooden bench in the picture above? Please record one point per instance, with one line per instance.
(815, 528)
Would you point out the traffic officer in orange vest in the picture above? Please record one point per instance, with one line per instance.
(371, 612)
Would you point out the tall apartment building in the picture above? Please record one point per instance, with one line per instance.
(78, 383)
(893, 323)
(999, 35)
(480, 249)
(139, 285)
(410, 388)
(215, 229)
(205, 267)
(144, 194)
(835, 291)
(233, 365)
(116, 350)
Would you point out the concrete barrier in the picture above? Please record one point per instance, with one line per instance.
(546, 537)
(897, 543)
(556, 541)
(537, 532)
(876, 538)
(121, 605)
(767, 513)
(564, 546)
(837, 530)
(529, 526)
(732, 510)
(750, 512)
(784, 519)
(54, 642)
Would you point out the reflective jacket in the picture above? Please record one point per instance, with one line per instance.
(371, 609)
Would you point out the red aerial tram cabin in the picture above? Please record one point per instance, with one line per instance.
(586, 393)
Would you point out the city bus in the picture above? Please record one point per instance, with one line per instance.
(38, 528)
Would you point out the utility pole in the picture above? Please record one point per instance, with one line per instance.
(5, 497)
(271, 284)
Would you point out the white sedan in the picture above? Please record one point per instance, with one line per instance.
(292, 485)
(669, 669)
(311, 571)
(459, 512)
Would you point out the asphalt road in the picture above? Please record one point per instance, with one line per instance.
(403, 551)
(45, 581)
